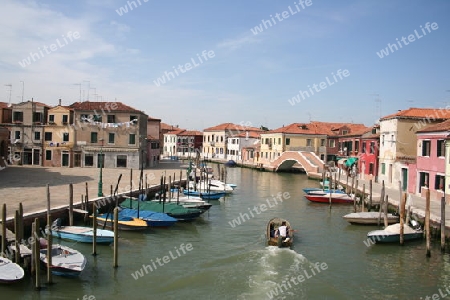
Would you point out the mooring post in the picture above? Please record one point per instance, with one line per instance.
(427, 222)
(330, 182)
(363, 197)
(16, 234)
(21, 227)
(443, 224)
(94, 228)
(370, 195)
(116, 237)
(33, 249)
(402, 218)
(49, 238)
(386, 202)
(71, 204)
(37, 256)
(4, 229)
(381, 202)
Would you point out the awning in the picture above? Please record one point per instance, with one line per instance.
(350, 161)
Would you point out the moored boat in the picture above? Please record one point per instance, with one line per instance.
(391, 234)
(125, 222)
(335, 198)
(81, 234)
(272, 236)
(369, 218)
(65, 261)
(153, 219)
(10, 272)
(205, 195)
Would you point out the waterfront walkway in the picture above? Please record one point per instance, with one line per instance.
(28, 184)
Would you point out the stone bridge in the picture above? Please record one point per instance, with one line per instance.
(309, 161)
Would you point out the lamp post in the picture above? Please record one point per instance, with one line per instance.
(100, 182)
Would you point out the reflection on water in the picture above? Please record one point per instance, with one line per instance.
(235, 263)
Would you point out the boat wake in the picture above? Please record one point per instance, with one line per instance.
(274, 269)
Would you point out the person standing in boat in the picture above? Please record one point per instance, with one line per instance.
(283, 232)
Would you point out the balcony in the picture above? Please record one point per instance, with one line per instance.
(407, 159)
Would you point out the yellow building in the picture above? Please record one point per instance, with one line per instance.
(59, 139)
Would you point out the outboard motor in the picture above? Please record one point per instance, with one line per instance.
(414, 224)
(56, 224)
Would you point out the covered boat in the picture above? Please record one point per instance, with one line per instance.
(391, 234)
(125, 222)
(153, 219)
(81, 234)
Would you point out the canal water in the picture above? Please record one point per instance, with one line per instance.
(215, 257)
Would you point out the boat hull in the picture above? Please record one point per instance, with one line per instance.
(272, 240)
(368, 218)
(65, 261)
(379, 236)
(84, 236)
(10, 272)
(345, 199)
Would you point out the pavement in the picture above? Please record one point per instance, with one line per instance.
(28, 184)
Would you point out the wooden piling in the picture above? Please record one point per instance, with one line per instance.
(402, 218)
(381, 202)
(329, 188)
(49, 238)
(386, 202)
(33, 249)
(70, 204)
(94, 228)
(21, 227)
(131, 182)
(17, 241)
(370, 195)
(37, 260)
(323, 179)
(346, 184)
(87, 196)
(443, 224)
(116, 237)
(363, 197)
(4, 229)
(427, 222)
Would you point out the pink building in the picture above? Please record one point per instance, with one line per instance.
(430, 167)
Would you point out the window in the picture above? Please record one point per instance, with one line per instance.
(65, 137)
(37, 135)
(322, 142)
(372, 148)
(17, 135)
(48, 136)
(426, 148)
(383, 168)
(51, 118)
(88, 160)
(356, 146)
(332, 143)
(279, 141)
(423, 180)
(48, 154)
(221, 139)
(382, 140)
(37, 117)
(132, 117)
(84, 118)
(97, 118)
(439, 182)
(65, 119)
(344, 132)
(111, 138)
(288, 141)
(363, 150)
(132, 139)
(440, 148)
(121, 161)
(308, 142)
(18, 116)
(111, 119)
(94, 137)
(371, 168)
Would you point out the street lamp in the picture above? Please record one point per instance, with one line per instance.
(100, 182)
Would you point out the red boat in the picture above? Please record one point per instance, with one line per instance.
(325, 198)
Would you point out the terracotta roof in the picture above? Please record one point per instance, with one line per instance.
(99, 106)
(165, 126)
(315, 127)
(251, 134)
(231, 126)
(35, 102)
(190, 133)
(153, 119)
(175, 132)
(4, 105)
(420, 113)
(443, 126)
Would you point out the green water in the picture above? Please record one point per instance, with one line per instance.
(224, 262)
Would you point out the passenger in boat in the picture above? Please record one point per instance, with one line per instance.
(282, 233)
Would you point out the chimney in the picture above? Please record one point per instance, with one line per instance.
(59, 102)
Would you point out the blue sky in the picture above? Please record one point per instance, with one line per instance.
(250, 78)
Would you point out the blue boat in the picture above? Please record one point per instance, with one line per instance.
(205, 196)
(81, 234)
(319, 190)
(153, 219)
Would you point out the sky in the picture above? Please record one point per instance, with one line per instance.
(200, 63)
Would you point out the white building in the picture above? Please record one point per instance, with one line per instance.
(239, 142)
